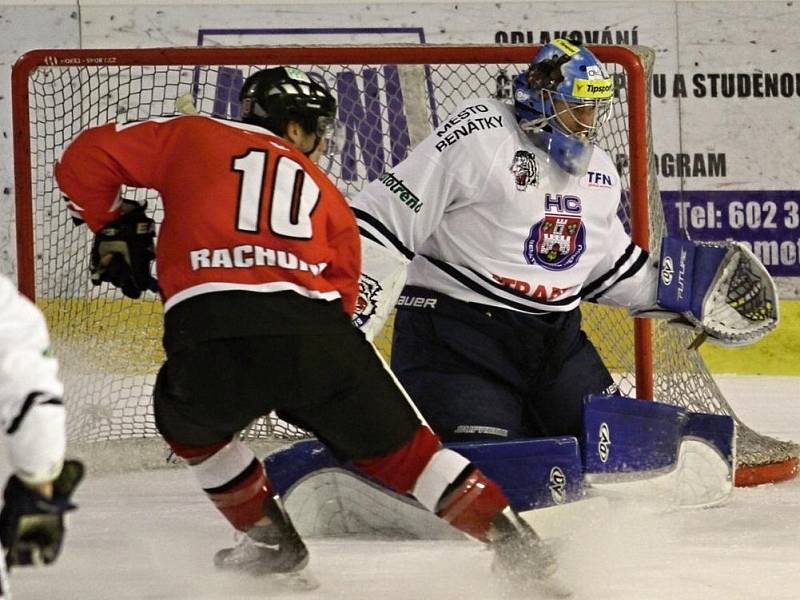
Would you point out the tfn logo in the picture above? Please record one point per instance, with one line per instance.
(597, 178)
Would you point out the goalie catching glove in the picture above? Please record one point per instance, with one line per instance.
(32, 525)
(123, 250)
(719, 289)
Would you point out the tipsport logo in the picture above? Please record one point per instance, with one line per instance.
(371, 110)
(593, 90)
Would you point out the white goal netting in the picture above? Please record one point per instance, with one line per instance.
(109, 346)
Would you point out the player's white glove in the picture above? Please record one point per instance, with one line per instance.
(720, 289)
(382, 279)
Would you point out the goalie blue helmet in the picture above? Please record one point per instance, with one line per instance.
(562, 100)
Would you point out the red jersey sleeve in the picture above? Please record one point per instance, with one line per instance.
(100, 160)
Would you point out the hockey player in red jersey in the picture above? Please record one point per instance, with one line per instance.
(258, 265)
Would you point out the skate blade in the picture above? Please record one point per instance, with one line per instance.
(299, 581)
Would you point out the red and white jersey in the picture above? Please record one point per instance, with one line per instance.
(485, 216)
(243, 208)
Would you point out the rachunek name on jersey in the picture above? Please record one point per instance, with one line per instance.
(248, 256)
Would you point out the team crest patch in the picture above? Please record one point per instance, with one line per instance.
(556, 242)
(524, 169)
(367, 301)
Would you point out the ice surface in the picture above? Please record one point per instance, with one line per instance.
(151, 535)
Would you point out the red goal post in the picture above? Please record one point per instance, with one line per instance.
(55, 93)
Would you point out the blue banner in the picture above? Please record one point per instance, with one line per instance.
(769, 221)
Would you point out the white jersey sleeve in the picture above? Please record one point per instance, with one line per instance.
(636, 292)
(31, 409)
(625, 277)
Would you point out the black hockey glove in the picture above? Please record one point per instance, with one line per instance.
(129, 242)
(31, 525)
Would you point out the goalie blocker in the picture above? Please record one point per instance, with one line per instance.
(719, 289)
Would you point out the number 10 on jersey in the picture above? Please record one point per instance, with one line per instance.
(291, 195)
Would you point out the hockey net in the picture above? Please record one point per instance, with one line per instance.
(389, 98)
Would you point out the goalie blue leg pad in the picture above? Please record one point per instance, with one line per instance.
(288, 465)
(625, 434)
(533, 473)
(717, 430)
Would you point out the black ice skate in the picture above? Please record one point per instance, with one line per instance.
(521, 559)
(271, 549)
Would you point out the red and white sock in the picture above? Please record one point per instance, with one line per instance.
(232, 477)
(441, 480)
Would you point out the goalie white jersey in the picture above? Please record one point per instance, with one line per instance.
(485, 217)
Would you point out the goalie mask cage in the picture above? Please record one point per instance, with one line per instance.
(389, 98)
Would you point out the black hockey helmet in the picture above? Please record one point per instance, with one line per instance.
(272, 97)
